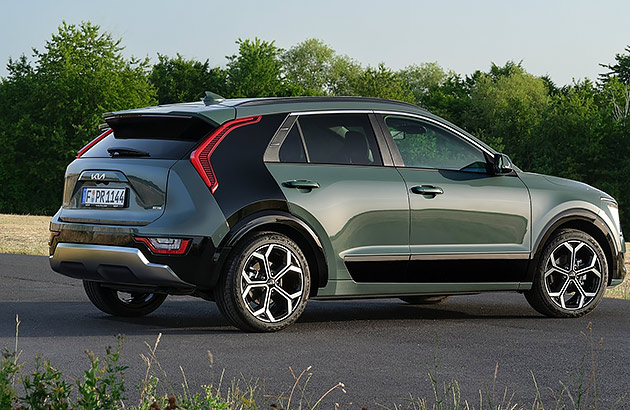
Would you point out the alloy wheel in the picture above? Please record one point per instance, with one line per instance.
(272, 283)
(573, 275)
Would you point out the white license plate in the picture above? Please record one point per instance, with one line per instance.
(105, 197)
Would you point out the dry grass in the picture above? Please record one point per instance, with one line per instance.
(622, 291)
(25, 234)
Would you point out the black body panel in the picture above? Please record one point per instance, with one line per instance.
(245, 184)
(440, 271)
(196, 266)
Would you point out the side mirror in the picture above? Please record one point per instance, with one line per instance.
(501, 164)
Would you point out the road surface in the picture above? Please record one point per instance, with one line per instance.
(380, 349)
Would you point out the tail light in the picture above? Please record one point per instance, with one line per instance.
(200, 157)
(165, 246)
(93, 142)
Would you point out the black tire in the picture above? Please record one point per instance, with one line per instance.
(126, 304)
(424, 300)
(571, 275)
(263, 302)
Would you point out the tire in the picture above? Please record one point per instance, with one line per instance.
(125, 304)
(424, 300)
(571, 275)
(265, 284)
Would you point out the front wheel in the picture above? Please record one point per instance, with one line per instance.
(119, 303)
(571, 276)
(266, 283)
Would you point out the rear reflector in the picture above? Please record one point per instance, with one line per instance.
(93, 142)
(200, 157)
(165, 246)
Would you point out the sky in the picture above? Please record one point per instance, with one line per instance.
(563, 39)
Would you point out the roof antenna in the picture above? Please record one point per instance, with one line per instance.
(212, 98)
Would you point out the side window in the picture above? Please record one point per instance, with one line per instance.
(292, 149)
(338, 139)
(424, 145)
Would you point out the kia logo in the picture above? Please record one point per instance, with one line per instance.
(98, 176)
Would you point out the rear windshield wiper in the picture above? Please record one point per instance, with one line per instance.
(126, 152)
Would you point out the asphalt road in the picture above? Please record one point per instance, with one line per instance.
(380, 349)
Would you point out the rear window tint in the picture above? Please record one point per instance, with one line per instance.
(292, 149)
(161, 137)
(346, 139)
(156, 148)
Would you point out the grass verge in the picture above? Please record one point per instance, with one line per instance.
(24, 234)
(28, 234)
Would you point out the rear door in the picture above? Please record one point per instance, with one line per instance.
(467, 224)
(332, 172)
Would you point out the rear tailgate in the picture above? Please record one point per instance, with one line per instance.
(122, 178)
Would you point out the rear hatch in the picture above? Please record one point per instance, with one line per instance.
(121, 177)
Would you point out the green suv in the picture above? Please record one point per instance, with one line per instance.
(261, 204)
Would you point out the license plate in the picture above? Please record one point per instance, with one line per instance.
(104, 197)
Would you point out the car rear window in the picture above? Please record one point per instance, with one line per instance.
(162, 137)
(345, 139)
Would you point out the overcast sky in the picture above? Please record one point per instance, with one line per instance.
(564, 39)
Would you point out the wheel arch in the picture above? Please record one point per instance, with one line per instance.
(584, 221)
(286, 224)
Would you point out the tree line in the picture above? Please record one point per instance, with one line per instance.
(52, 103)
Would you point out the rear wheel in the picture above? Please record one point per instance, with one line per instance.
(266, 283)
(571, 276)
(424, 300)
(119, 303)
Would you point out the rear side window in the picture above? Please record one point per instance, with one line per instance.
(292, 149)
(346, 139)
(160, 137)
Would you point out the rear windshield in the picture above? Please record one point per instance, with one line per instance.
(161, 137)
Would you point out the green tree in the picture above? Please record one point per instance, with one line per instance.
(178, 79)
(51, 107)
(343, 74)
(256, 71)
(308, 66)
(507, 105)
(423, 79)
(570, 135)
(621, 68)
(381, 82)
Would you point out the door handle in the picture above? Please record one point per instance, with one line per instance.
(301, 184)
(427, 190)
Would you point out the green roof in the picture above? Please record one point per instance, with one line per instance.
(228, 109)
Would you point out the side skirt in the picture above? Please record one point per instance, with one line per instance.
(478, 268)
(351, 290)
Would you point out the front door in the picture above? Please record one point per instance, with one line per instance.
(467, 224)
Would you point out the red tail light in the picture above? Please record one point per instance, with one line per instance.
(165, 246)
(93, 142)
(200, 157)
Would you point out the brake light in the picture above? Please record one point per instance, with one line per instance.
(93, 142)
(165, 246)
(200, 157)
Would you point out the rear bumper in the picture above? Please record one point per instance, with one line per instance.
(113, 264)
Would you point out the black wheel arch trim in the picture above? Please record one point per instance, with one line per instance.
(288, 224)
(584, 216)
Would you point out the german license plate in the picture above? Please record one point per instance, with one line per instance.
(104, 197)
